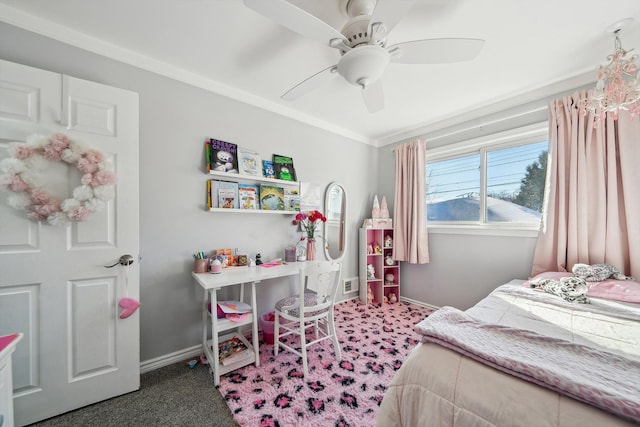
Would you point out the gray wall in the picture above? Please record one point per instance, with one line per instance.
(175, 119)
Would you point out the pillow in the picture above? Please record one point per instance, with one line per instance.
(617, 290)
(555, 275)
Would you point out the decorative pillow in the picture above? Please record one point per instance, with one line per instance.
(617, 290)
(555, 275)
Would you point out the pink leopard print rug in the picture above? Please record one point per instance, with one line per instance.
(374, 343)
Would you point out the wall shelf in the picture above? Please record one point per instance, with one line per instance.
(257, 180)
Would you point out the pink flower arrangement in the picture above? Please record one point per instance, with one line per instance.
(97, 182)
(309, 221)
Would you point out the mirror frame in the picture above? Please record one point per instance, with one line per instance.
(343, 220)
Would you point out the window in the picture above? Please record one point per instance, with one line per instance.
(488, 183)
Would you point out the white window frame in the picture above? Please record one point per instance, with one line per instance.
(511, 138)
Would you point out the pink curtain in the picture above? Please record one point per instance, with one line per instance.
(592, 212)
(410, 241)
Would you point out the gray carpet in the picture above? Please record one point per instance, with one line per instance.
(171, 396)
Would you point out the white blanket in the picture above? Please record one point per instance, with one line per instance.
(582, 372)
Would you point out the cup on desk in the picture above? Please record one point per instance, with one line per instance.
(200, 265)
(216, 266)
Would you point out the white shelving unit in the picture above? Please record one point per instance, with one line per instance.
(253, 179)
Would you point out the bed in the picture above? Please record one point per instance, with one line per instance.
(521, 357)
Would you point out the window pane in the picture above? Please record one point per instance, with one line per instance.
(515, 183)
(453, 189)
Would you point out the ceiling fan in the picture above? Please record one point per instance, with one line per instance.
(362, 43)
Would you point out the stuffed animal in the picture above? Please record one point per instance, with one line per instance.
(388, 260)
(369, 249)
(369, 295)
(598, 272)
(376, 248)
(385, 299)
(392, 298)
(388, 241)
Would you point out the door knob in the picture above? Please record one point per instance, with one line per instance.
(124, 260)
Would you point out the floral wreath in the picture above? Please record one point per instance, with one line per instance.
(21, 176)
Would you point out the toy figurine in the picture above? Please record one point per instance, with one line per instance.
(376, 248)
(392, 298)
(369, 295)
(388, 241)
(371, 271)
(258, 259)
(369, 249)
(385, 300)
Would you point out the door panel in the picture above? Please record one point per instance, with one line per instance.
(76, 349)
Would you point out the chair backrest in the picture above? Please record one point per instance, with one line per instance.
(323, 279)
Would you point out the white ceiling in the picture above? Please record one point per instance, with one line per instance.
(223, 46)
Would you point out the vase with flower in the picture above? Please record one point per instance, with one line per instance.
(308, 222)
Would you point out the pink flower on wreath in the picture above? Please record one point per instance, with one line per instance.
(39, 197)
(102, 177)
(47, 209)
(87, 166)
(81, 213)
(36, 216)
(53, 150)
(23, 152)
(94, 156)
(60, 137)
(15, 183)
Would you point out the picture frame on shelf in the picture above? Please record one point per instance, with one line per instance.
(249, 162)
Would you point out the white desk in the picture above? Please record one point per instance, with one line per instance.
(211, 283)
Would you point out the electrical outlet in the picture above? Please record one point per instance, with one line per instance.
(350, 285)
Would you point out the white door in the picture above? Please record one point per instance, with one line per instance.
(54, 287)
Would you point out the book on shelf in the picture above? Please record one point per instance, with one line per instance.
(271, 197)
(212, 193)
(207, 154)
(292, 199)
(223, 156)
(228, 195)
(249, 196)
(233, 350)
(283, 166)
(249, 162)
(267, 169)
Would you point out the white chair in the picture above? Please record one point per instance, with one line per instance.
(319, 282)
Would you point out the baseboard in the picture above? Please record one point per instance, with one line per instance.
(171, 358)
(421, 304)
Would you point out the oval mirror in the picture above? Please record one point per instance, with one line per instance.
(335, 206)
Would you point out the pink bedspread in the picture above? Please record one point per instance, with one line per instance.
(585, 373)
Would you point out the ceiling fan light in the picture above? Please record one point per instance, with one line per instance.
(363, 64)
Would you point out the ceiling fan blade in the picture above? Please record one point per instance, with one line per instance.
(311, 83)
(295, 19)
(435, 51)
(373, 96)
(390, 12)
